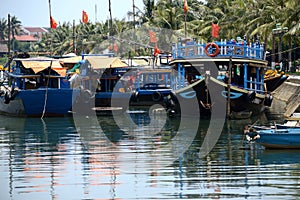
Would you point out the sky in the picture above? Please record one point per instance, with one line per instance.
(36, 12)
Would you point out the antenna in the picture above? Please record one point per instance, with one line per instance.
(95, 13)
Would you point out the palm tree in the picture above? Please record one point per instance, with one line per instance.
(3, 29)
(15, 26)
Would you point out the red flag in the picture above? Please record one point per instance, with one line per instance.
(152, 35)
(185, 6)
(215, 30)
(116, 47)
(156, 51)
(53, 23)
(85, 17)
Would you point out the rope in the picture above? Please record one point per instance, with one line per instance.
(46, 92)
(283, 51)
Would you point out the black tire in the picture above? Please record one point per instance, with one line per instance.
(7, 97)
(156, 96)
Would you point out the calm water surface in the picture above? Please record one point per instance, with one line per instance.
(56, 158)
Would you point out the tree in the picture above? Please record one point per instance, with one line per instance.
(15, 26)
(3, 29)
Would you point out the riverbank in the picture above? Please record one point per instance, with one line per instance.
(286, 98)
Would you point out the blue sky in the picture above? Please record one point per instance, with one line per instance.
(36, 12)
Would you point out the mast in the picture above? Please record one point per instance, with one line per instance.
(95, 13)
(110, 17)
(228, 87)
(8, 42)
(50, 29)
(133, 11)
(74, 45)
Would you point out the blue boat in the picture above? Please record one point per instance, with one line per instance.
(151, 86)
(232, 71)
(120, 85)
(288, 138)
(100, 76)
(36, 87)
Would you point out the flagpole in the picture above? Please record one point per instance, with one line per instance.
(185, 8)
(74, 44)
(50, 28)
(185, 24)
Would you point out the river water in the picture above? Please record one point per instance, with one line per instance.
(67, 158)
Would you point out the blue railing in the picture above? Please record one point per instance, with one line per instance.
(193, 49)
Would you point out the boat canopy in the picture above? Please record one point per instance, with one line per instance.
(40, 63)
(100, 62)
(70, 60)
(136, 62)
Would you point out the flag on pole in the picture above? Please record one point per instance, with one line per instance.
(53, 23)
(215, 30)
(185, 6)
(116, 48)
(85, 17)
(152, 35)
(156, 51)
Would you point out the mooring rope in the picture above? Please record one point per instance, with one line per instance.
(46, 92)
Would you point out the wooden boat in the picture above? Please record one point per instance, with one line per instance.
(232, 71)
(99, 77)
(151, 86)
(273, 79)
(287, 138)
(118, 85)
(36, 87)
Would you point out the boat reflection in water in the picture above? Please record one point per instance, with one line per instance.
(102, 157)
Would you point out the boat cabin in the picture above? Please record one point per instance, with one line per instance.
(34, 73)
(241, 63)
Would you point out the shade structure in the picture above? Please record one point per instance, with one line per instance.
(100, 62)
(40, 63)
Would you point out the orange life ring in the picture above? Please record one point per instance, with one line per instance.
(213, 45)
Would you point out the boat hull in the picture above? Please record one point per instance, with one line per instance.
(279, 139)
(241, 101)
(38, 102)
(104, 99)
(192, 100)
(212, 94)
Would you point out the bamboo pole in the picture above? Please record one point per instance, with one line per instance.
(228, 87)
(50, 29)
(8, 42)
(74, 45)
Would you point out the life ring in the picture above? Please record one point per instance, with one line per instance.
(156, 96)
(86, 96)
(212, 45)
(13, 94)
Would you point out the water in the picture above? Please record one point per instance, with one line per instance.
(64, 158)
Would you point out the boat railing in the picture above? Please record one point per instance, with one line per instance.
(194, 49)
(256, 86)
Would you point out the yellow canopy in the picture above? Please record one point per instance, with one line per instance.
(74, 59)
(39, 64)
(100, 62)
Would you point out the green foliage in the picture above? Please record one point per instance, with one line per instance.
(235, 17)
(3, 60)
